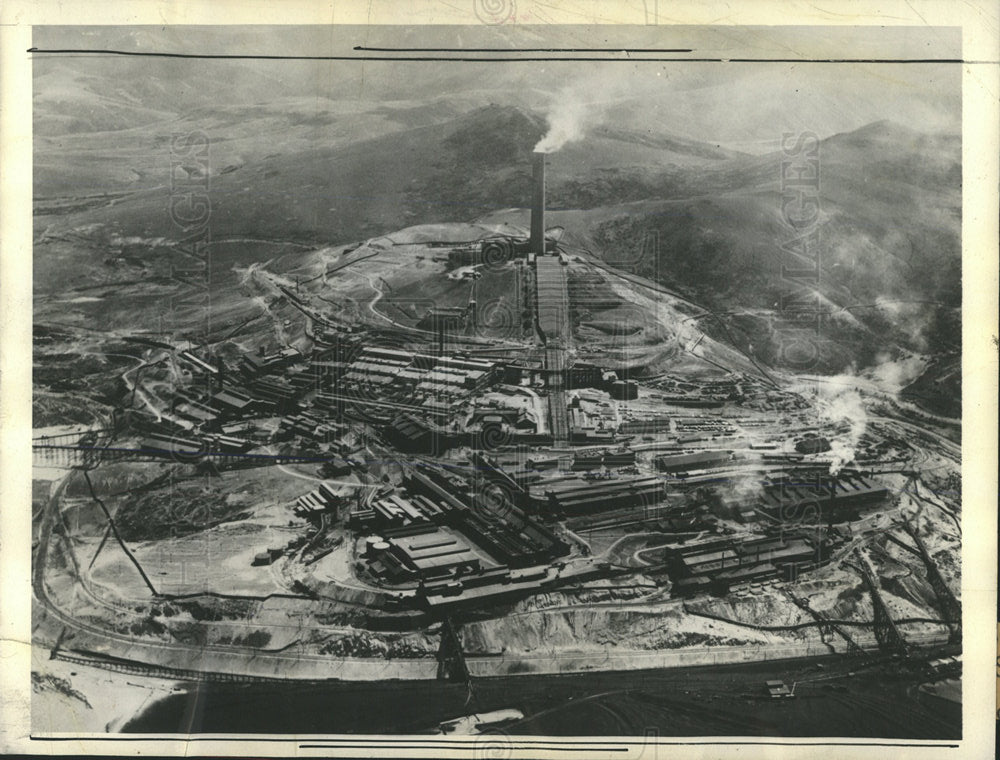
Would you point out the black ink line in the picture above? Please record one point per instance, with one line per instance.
(520, 50)
(488, 742)
(480, 743)
(459, 743)
(162, 738)
(480, 59)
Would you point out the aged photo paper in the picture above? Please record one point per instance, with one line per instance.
(498, 378)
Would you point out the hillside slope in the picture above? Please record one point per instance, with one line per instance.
(313, 172)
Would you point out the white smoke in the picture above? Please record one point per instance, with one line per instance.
(846, 408)
(843, 454)
(567, 119)
(746, 487)
(914, 318)
(580, 105)
(838, 400)
(894, 373)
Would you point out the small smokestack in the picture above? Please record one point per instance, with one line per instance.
(537, 241)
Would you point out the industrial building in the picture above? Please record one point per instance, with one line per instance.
(514, 540)
(516, 417)
(275, 393)
(407, 376)
(617, 458)
(835, 496)
(326, 498)
(231, 403)
(193, 406)
(717, 564)
(694, 400)
(552, 299)
(587, 461)
(577, 496)
(623, 390)
(254, 365)
(310, 426)
(699, 460)
(395, 510)
(647, 424)
(812, 444)
(413, 434)
(436, 498)
(420, 551)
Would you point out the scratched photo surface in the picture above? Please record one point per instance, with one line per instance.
(497, 381)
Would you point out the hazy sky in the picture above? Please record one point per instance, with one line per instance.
(746, 105)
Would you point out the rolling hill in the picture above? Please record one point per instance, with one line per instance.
(313, 171)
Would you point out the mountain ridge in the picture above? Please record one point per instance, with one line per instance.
(889, 198)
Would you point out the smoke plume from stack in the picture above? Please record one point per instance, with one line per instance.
(846, 408)
(566, 123)
(837, 401)
(587, 101)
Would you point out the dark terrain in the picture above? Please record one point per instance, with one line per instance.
(708, 701)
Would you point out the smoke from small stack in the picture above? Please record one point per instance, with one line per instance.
(838, 403)
(537, 241)
(566, 123)
(846, 407)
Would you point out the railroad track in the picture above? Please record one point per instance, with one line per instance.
(159, 671)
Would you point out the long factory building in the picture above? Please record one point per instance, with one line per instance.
(832, 495)
(455, 538)
(719, 563)
(579, 496)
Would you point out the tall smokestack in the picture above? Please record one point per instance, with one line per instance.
(537, 240)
